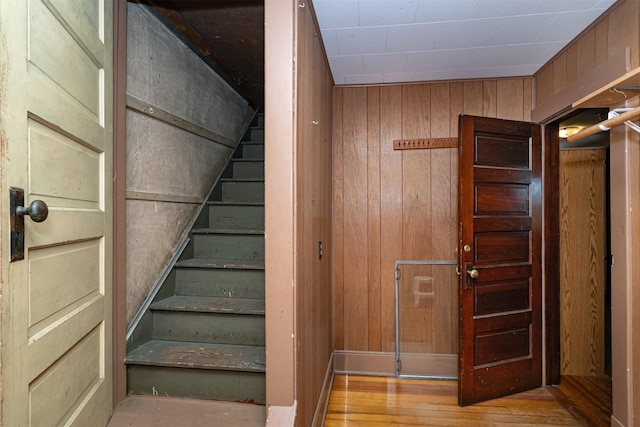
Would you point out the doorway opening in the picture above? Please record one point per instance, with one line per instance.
(585, 262)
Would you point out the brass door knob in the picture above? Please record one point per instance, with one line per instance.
(473, 273)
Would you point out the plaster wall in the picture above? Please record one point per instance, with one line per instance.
(170, 168)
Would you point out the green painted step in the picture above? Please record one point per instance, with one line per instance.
(248, 168)
(228, 244)
(212, 328)
(211, 304)
(198, 370)
(252, 150)
(220, 278)
(242, 190)
(239, 216)
(257, 134)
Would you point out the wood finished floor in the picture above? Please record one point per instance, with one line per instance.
(380, 401)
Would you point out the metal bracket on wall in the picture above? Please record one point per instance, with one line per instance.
(616, 112)
(616, 117)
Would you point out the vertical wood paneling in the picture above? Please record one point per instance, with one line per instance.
(545, 82)
(572, 63)
(559, 67)
(607, 37)
(456, 106)
(443, 235)
(391, 205)
(416, 165)
(527, 103)
(338, 223)
(373, 189)
(489, 98)
(473, 98)
(356, 286)
(582, 230)
(623, 29)
(511, 96)
(601, 42)
(586, 52)
(313, 217)
(390, 209)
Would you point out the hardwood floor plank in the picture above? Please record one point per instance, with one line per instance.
(381, 401)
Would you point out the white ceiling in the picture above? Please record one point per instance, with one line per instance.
(394, 41)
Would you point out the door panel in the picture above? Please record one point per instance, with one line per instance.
(56, 106)
(499, 258)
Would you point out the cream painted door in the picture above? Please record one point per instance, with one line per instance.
(56, 141)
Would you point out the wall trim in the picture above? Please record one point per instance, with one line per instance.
(325, 393)
(157, 197)
(166, 117)
(364, 363)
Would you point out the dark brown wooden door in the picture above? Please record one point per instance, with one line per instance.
(499, 258)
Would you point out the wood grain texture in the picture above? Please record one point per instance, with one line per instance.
(582, 252)
(338, 224)
(313, 218)
(356, 286)
(392, 205)
(610, 34)
(373, 223)
(590, 397)
(390, 211)
(380, 401)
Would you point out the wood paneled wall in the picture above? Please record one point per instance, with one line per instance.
(313, 218)
(582, 265)
(390, 205)
(612, 33)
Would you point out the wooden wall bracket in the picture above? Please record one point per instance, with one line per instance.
(412, 144)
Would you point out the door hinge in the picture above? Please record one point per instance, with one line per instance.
(398, 365)
(397, 274)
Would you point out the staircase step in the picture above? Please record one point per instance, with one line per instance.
(252, 150)
(228, 244)
(213, 328)
(243, 190)
(211, 304)
(199, 355)
(248, 264)
(220, 278)
(245, 216)
(257, 134)
(198, 370)
(248, 168)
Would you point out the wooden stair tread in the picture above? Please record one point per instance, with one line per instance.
(222, 263)
(211, 304)
(199, 355)
(238, 231)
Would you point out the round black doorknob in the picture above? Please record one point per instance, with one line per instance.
(37, 210)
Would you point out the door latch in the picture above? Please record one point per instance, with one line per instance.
(37, 211)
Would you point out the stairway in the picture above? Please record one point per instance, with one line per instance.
(204, 333)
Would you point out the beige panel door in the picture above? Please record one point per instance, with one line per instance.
(56, 141)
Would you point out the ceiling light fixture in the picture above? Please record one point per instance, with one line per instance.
(567, 131)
